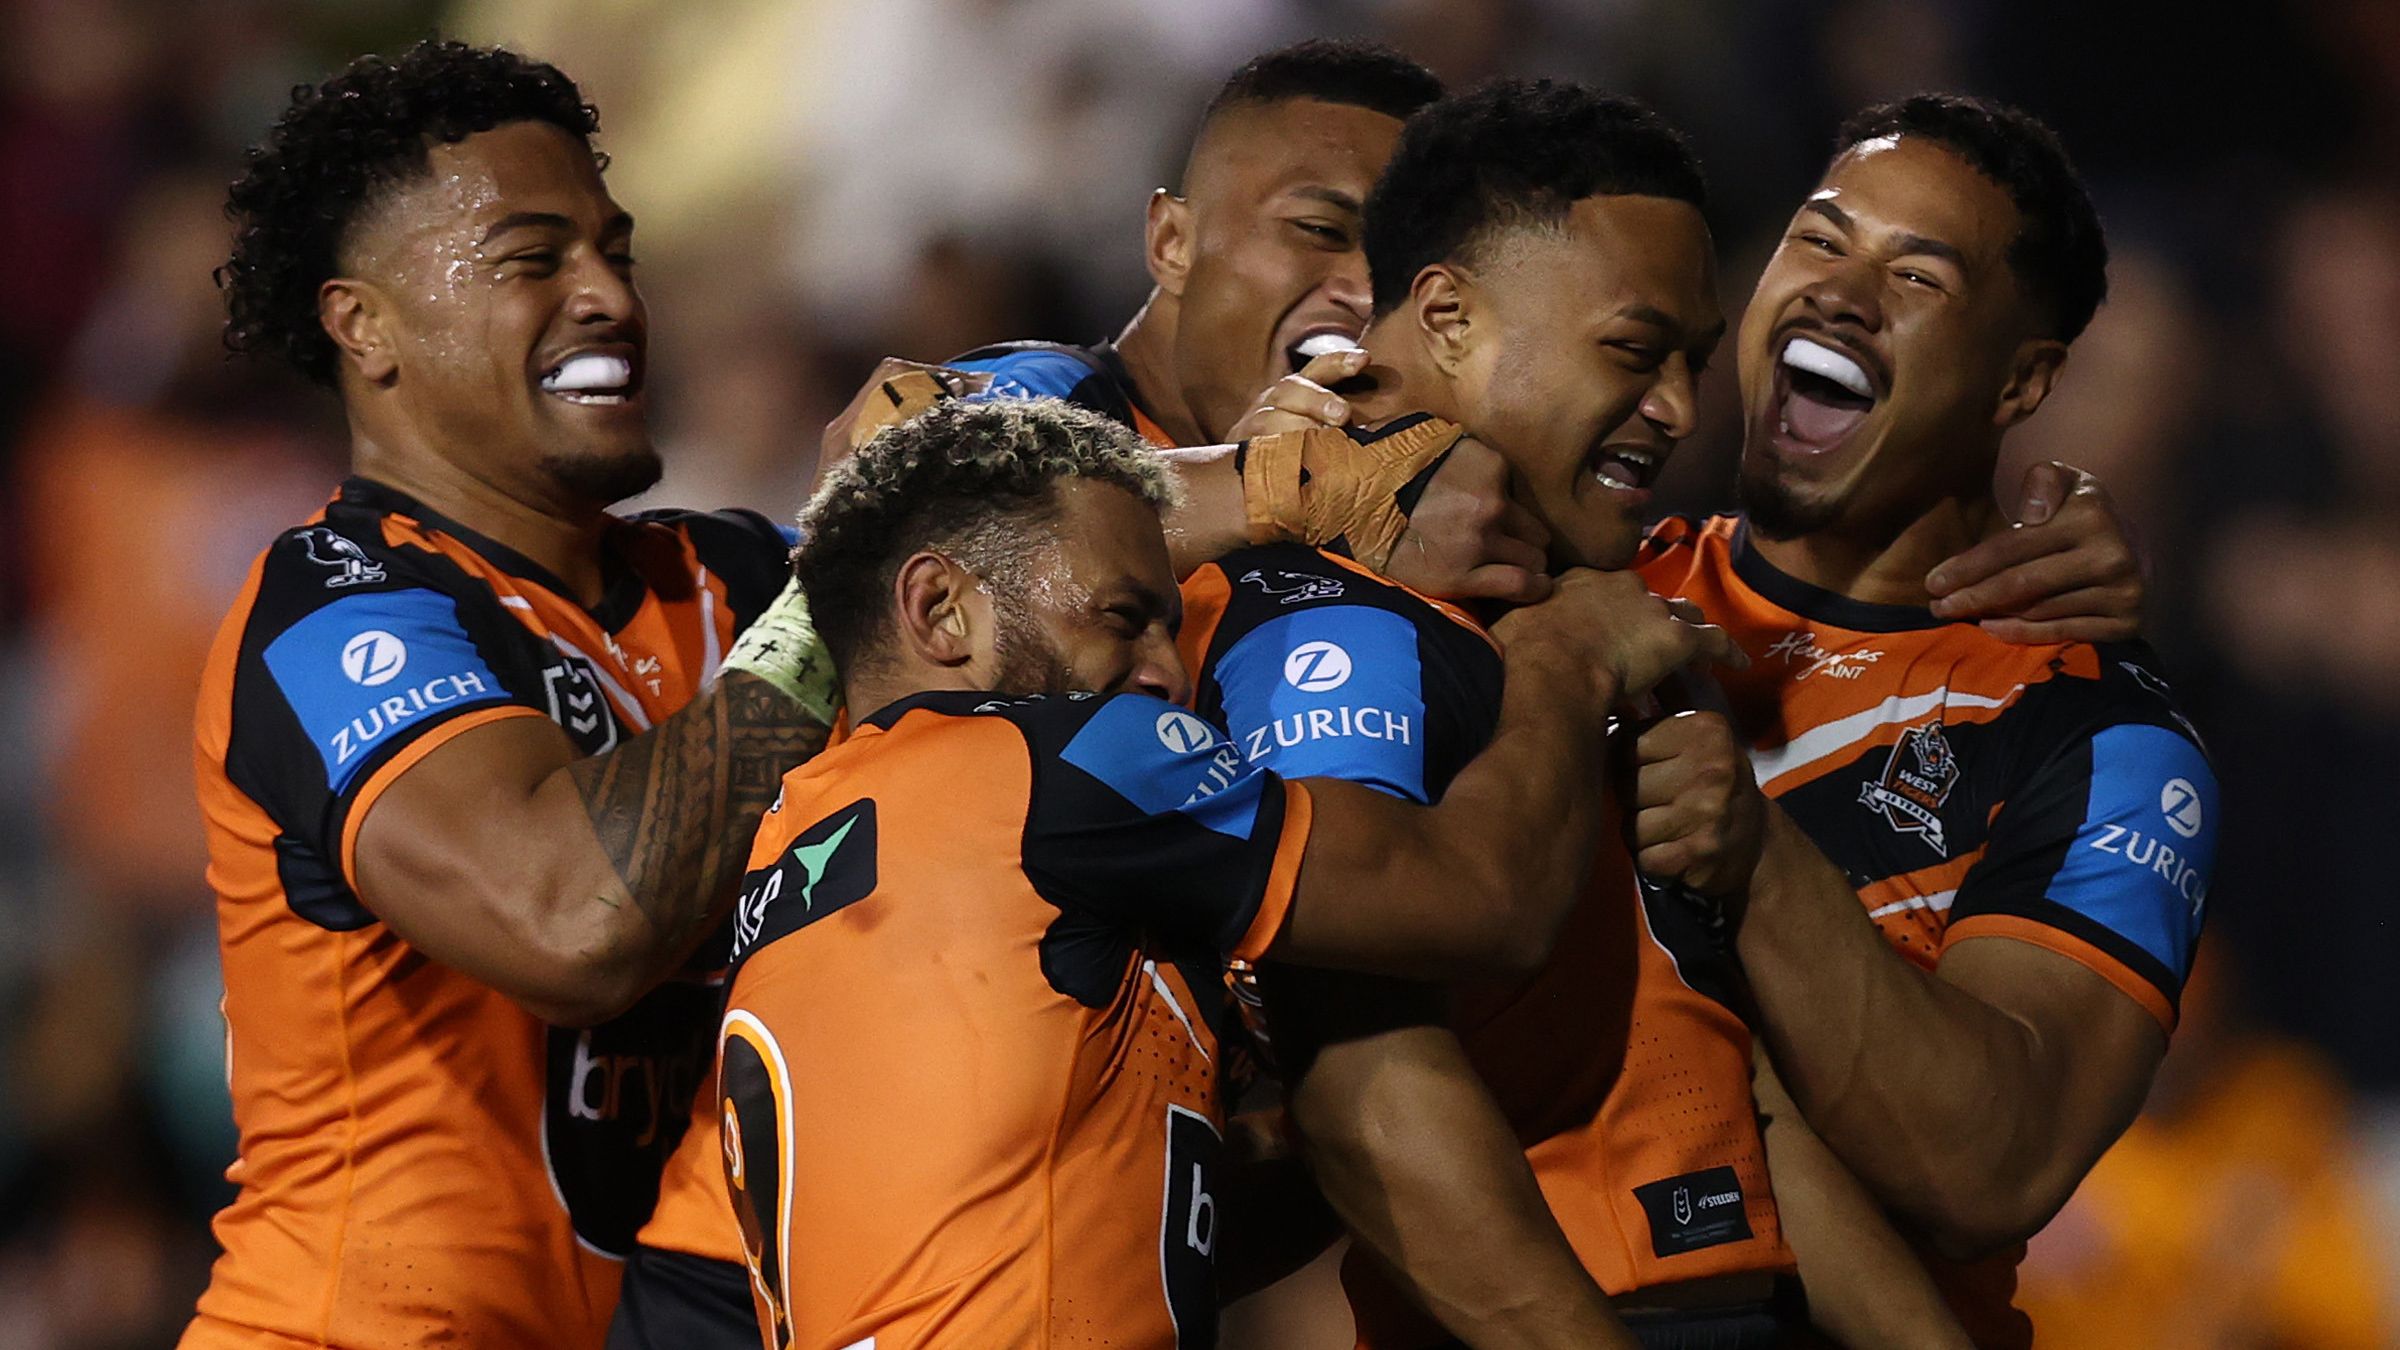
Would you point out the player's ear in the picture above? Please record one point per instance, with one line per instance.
(354, 315)
(940, 608)
(1442, 303)
(1167, 241)
(2033, 372)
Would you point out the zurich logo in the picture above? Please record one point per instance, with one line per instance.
(373, 657)
(2179, 801)
(1183, 733)
(1315, 667)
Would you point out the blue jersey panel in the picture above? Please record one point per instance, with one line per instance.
(1332, 691)
(2140, 864)
(1033, 374)
(366, 667)
(1161, 758)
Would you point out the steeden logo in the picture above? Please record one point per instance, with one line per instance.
(373, 657)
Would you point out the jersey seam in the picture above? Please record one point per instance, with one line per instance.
(341, 1228)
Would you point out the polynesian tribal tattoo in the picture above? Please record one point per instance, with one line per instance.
(676, 806)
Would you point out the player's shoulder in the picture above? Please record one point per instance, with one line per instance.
(1290, 586)
(749, 553)
(2096, 686)
(1080, 375)
(345, 563)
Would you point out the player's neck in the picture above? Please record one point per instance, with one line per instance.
(563, 538)
(1147, 346)
(1881, 565)
(1400, 377)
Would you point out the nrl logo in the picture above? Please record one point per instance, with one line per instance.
(1916, 780)
(1293, 587)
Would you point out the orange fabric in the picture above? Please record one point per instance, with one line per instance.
(2241, 1216)
(1615, 1072)
(983, 1157)
(1818, 695)
(395, 1187)
(2075, 949)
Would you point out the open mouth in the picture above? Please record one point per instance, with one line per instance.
(1315, 343)
(598, 379)
(1624, 468)
(1827, 393)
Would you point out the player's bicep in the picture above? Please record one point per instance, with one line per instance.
(366, 683)
(1330, 691)
(2105, 860)
(440, 855)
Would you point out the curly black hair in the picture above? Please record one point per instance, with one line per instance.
(972, 479)
(2060, 256)
(336, 148)
(1507, 154)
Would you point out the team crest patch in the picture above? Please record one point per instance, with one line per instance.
(1293, 588)
(350, 564)
(577, 704)
(1916, 780)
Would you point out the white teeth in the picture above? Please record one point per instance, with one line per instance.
(1324, 344)
(1818, 359)
(590, 371)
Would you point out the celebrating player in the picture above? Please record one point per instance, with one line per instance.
(477, 758)
(968, 1078)
(1969, 911)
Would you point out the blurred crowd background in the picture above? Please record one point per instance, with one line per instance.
(821, 183)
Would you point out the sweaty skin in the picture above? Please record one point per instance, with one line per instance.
(458, 293)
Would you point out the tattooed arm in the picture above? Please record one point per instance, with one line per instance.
(574, 884)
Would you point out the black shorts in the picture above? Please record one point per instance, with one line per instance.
(674, 1301)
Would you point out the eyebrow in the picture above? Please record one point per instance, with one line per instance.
(1908, 243)
(1340, 201)
(621, 222)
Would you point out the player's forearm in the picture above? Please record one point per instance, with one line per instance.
(1865, 1288)
(672, 812)
(1525, 815)
(1212, 519)
(1411, 1151)
(1929, 1095)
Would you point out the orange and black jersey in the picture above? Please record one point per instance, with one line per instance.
(421, 1159)
(1969, 788)
(968, 1074)
(1092, 377)
(1623, 1071)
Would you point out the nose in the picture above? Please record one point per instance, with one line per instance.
(1673, 403)
(1850, 291)
(1347, 286)
(602, 293)
(1158, 670)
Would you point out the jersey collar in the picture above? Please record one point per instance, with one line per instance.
(622, 590)
(1815, 602)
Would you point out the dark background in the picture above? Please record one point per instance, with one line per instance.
(821, 183)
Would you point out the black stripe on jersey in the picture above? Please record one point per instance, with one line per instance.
(1817, 603)
(1460, 669)
(741, 548)
(2043, 911)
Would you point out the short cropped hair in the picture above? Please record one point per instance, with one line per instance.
(1357, 74)
(1510, 154)
(2060, 255)
(338, 147)
(976, 481)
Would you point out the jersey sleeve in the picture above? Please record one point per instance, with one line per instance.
(1147, 815)
(1044, 370)
(2104, 857)
(347, 677)
(1316, 671)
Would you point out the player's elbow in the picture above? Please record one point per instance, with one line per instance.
(1510, 934)
(1975, 1217)
(573, 969)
